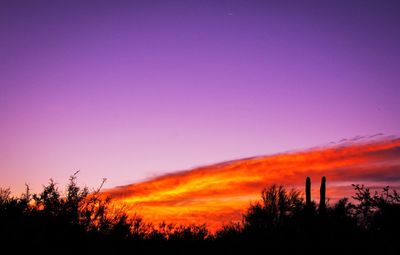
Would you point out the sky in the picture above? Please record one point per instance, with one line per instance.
(129, 90)
(219, 194)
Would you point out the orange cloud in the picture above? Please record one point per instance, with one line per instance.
(220, 193)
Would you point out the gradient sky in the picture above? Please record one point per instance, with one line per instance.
(220, 193)
(131, 89)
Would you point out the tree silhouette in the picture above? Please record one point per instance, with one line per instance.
(281, 222)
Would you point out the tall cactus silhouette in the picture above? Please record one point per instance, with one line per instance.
(322, 191)
(308, 192)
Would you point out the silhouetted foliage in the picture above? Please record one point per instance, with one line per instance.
(78, 220)
(276, 208)
(378, 211)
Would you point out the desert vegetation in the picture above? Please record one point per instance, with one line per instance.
(281, 222)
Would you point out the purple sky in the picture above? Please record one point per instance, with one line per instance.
(131, 89)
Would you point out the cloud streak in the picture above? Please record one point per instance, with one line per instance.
(220, 193)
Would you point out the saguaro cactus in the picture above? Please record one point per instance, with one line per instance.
(308, 192)
(322, 192)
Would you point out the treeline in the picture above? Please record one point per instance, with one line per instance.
(282, 222)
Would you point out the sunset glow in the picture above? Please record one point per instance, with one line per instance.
(200, 127)
(220, 193)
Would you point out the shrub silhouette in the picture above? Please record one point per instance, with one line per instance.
(378, 212)
(281, 217)
(84, 221)
(277, 206)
